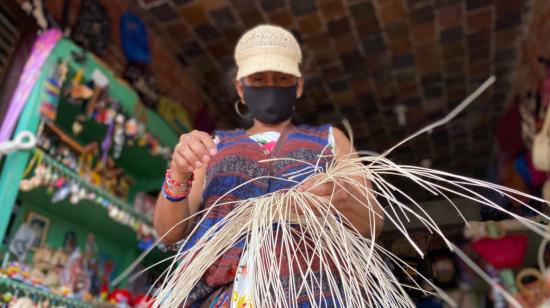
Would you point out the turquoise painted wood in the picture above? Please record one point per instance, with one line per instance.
(15, 163)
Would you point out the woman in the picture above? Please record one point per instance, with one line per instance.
(203, 168)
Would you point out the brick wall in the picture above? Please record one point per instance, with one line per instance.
(172, 79)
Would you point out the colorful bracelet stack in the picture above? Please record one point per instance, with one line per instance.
(173, 190)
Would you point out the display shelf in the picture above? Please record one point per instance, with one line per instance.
(122, 205)
(85, 217)
(33, 292)
(119, 230)
(140, 164)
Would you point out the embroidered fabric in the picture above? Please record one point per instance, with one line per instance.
(268, 140)
(240, 296)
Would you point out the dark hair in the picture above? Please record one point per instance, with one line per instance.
(247, 121)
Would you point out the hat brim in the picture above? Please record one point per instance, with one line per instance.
(268, 62)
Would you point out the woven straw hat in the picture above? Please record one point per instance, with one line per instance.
(267, 48)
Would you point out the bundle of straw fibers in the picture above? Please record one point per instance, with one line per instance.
(319, 238)
(310, 230)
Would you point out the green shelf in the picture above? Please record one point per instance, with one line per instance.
(32, 291)
(98, 190)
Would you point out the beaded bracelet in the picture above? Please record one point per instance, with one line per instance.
(173, 190)
(175, 185)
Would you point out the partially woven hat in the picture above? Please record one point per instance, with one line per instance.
(267, 48)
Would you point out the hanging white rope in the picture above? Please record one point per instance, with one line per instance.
(25, 140)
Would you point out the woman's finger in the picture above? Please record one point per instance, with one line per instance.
(192, 159)
(180, 162)
(200, 151)
(206, 141)
(322, 190)
(299, 210)
(308, 184)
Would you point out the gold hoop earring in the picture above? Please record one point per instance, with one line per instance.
(237, 110)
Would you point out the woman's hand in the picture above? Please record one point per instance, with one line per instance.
(325, 190)
(193, 151)
(359, 207)
(337, 194)
(190, 156)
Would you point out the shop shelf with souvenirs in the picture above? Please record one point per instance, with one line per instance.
(77, 208)
(15, 291)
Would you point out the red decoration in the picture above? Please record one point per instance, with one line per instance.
(505, 252)
(120, 296)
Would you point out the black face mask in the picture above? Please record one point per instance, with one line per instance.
(270, 105)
